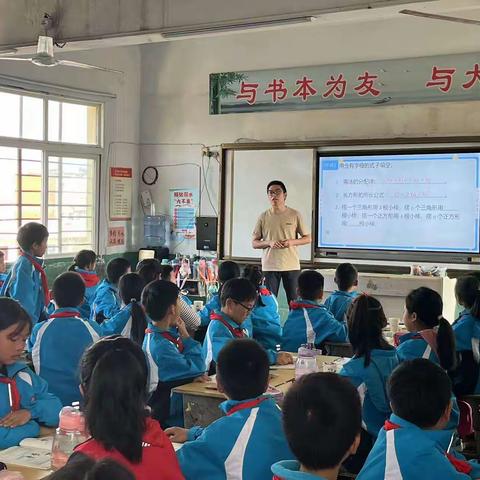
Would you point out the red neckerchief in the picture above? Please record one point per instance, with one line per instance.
(245, 405)
(461, 466)
(176, 341)
(15, 393)
(43, 277)
(90, 279)
(298, 305)
(66, 314)
(264, 291)
(236, 332)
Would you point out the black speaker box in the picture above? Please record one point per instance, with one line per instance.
(207, 233)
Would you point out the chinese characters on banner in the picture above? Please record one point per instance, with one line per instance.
(183, 208)
(417, 80)
(116, 236)
(120, 193)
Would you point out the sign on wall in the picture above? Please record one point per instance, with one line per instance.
(116, 236)
(183, 208)
(365, 84)
(120, 193)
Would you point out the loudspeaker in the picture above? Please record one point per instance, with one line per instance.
(206, 233)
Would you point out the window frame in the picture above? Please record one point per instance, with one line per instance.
(49, 148)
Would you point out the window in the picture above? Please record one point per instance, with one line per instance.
(49, 172)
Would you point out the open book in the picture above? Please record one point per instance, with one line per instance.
(32, 452)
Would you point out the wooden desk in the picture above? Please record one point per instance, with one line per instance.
(201, 402)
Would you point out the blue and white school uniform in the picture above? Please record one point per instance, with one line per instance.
(57, 345)
(3, 278)
(26, 282)
(119, 324)
(241, 445)
(91, 284)
(106, 301)
(404, 451)
(172, 358)
(467, 337)
(265, 319)
(221, 330)
(290, 470)
(310, 322)
(29, 392)
(370, 383)
(338, 303)
(418, 345)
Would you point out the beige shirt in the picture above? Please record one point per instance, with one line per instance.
(287, 225)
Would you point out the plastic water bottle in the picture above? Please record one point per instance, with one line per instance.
(306, 362)
(70, 433)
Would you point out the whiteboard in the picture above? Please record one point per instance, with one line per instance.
(247, 173)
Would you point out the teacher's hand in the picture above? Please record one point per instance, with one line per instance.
(276, 244)
(287, 243)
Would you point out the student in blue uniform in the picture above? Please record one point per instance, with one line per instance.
(131, 320)
(27, 281)
(321, 418)
(372, 364)
(57, 345)
(107, 301)
(249, 438)
(430, 335)
(408, 445)
(84, 264)
(173, 356)
(346, 278)
(3, 269)
(25, 402)
(467, 336)
(265, 317)
(309, 322)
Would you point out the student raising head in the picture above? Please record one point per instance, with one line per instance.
(249, 438)
(308, 321)
(57, 345)
(173, 356)
(107, 301)
(372, 364)
(346, 278)
(238, 299)
(410, 446)
(131, 320)
(84, 264)
(27, 281)
(467, 336)
(322, 419)
(113, 375)
(24, 398)
(430, 335)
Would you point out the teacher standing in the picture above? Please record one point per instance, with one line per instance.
(279, 230)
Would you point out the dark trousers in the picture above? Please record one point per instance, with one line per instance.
(289, 279)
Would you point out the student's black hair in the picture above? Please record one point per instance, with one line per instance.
(130, 287)
(255, 275)
(113, 375)
(346, 276)
(310, 285)
(322, 416)
(116, 268)
(68, 290)
(467, 291)
(226, 271)
(279, 183)
(149, 269)
(366, 320)
(82, 467)
(83, 259)
(419, 392)
(243, 369)
(158, 297)
(238, 289)
(428, 306)
(165, 271)
(12, 313)
(31, 233)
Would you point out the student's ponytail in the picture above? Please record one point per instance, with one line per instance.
(130, 287)
(446, 345)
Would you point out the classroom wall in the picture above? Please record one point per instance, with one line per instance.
(121, 120)
(174, 93)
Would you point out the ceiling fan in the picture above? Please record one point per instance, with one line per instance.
(45, 58)
(434, 16)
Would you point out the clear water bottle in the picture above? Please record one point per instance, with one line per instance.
(71, 432)
(306, 362)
